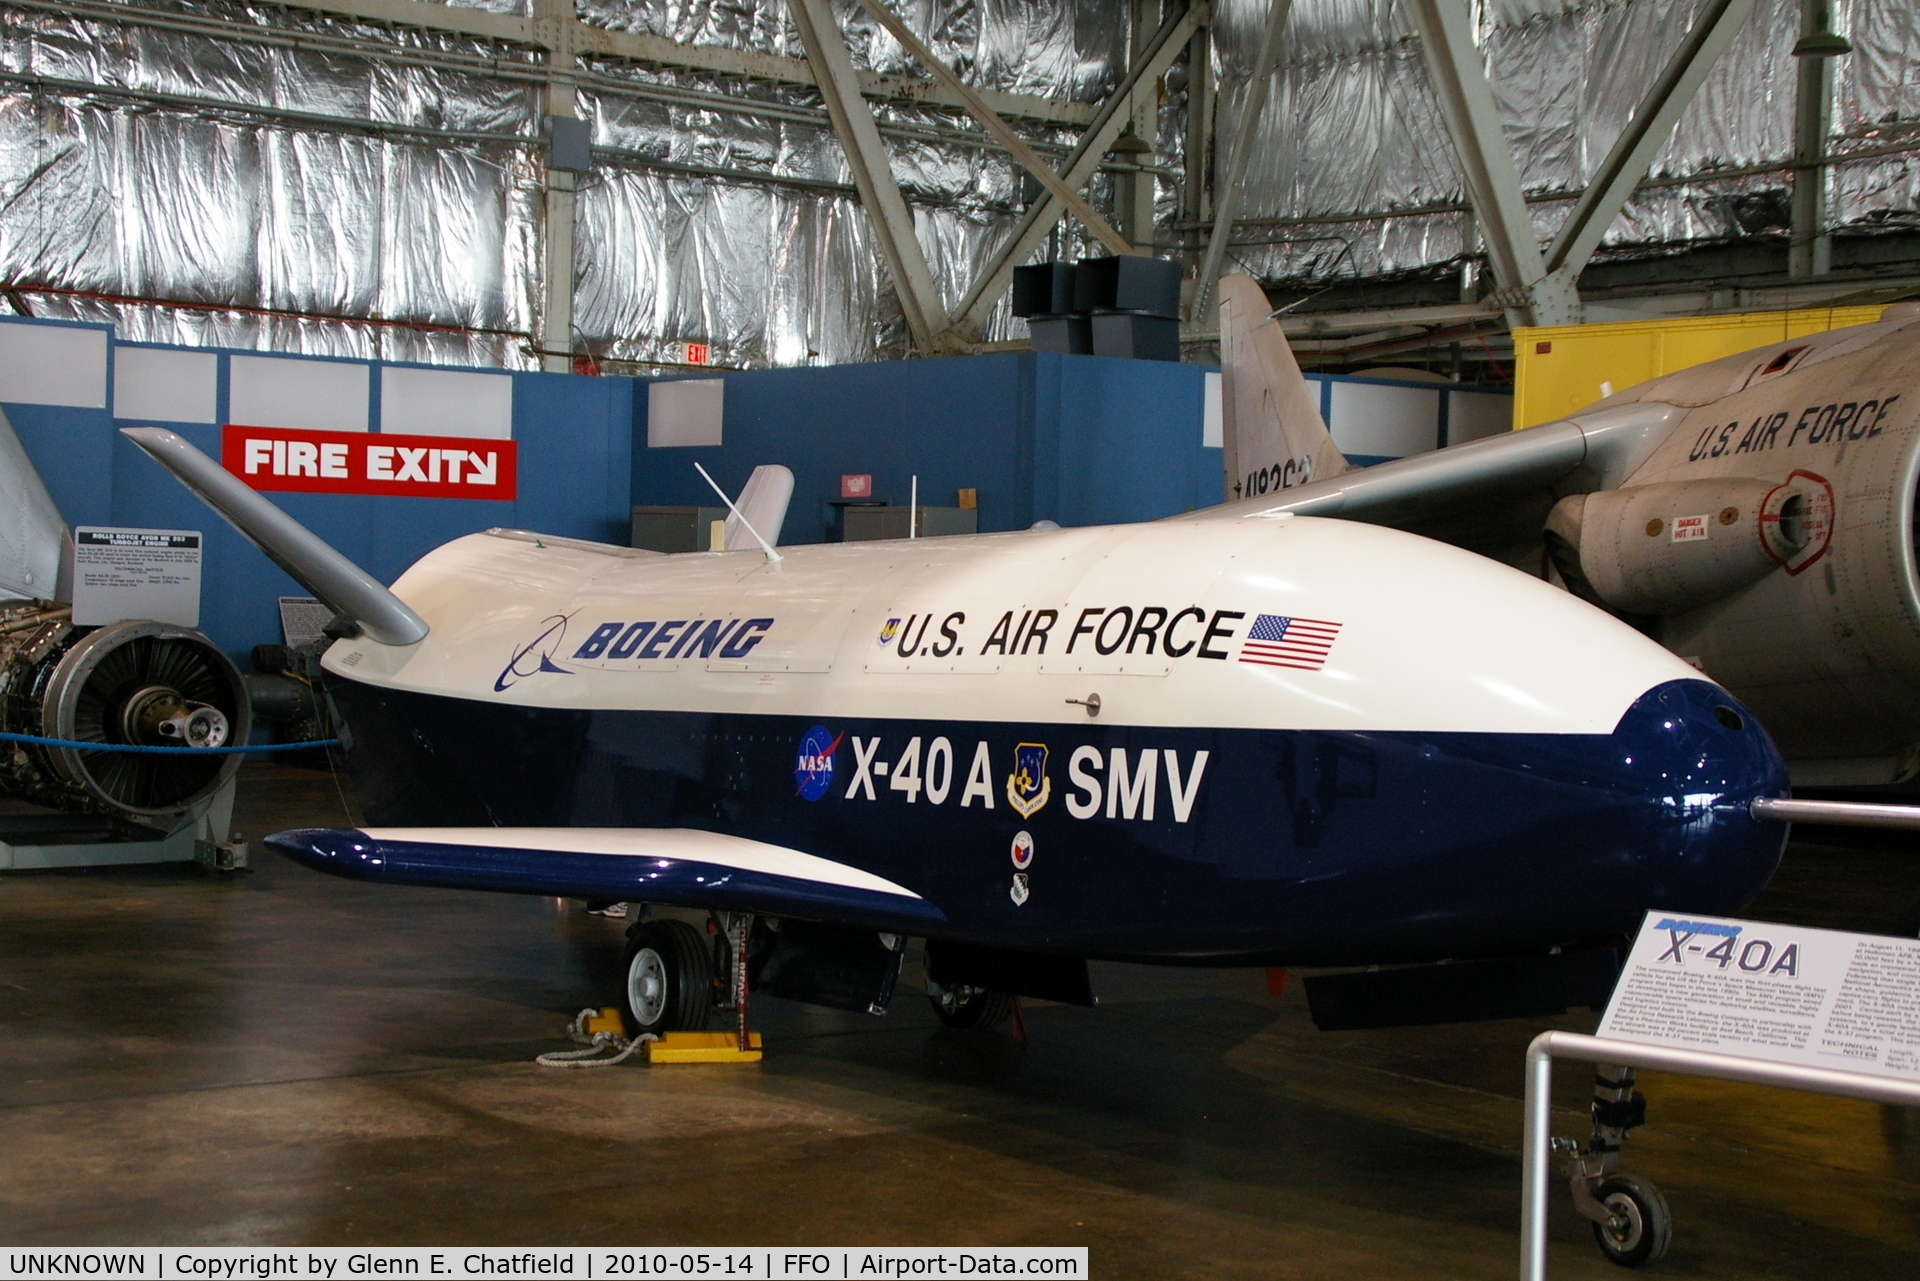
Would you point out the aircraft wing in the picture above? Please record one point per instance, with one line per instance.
(677, 866)
(309, 560)
(1609, 443)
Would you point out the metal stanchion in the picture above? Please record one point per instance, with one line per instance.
(1534, 1158)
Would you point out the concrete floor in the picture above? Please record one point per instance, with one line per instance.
(283, 1058)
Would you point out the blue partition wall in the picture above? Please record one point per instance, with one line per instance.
(1081, 440)
(574, 436)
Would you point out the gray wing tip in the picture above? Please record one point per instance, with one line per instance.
(306, 557)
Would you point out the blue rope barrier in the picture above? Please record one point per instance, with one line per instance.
(165, 751)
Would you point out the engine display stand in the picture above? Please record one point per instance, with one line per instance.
(31, 843)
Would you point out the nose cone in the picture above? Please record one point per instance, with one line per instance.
(1700, 759)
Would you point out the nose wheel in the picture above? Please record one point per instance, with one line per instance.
(1639, 1227)
(1631, 1222)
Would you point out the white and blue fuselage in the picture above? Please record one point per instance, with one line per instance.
(1277, 741)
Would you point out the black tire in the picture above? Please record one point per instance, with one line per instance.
(971, 1009)
(1647, 1225)
(669, 975)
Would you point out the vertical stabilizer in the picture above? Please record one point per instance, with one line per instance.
(1271, 424)
(764, 505)
(32, 533)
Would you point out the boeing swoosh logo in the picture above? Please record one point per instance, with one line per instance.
(535, 657)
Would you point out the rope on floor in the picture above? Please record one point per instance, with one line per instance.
(595, 1044)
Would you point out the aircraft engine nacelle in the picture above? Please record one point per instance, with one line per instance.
(1668, 548)
(145, 683)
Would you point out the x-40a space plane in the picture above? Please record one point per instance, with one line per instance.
(1754, 514)
(1270, 741)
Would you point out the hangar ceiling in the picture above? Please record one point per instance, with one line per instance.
(373, 177)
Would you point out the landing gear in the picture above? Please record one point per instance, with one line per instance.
(1631, 1222)
(669, 978)
(1641, 1226)
(969, 1009)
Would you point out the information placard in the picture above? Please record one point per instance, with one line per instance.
(136, 573)
(303, 620)
(1783, 993)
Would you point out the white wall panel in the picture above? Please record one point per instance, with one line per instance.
(53, 365)
(1212, 419)
(446, 402)
(312, 395)
(166, 386)
(686, 411)
(1472, 415)
(1380, 421)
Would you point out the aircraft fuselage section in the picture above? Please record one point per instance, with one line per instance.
(1314, 742)
(1826, 648)
(1314, 847)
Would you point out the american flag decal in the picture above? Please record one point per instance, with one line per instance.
(1278, 641)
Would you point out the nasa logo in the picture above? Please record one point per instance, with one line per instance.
(535, 656)
(1020, 891)
(813, 764)
(1022, 850)
(1028, 787)
(888, 632)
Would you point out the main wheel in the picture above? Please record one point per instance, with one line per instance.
(669, 978)
(1646, 1225)
(970, 1009)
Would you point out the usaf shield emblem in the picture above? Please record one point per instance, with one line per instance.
(1028, 787)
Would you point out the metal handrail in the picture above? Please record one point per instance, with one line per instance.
(1843, 813)
(1549, 1046)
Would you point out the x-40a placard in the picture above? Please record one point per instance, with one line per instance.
(1758, 990)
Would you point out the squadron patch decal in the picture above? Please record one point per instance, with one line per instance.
(1028, 787)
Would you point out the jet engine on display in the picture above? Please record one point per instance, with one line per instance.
(1755, 514)
(138, 683)
(127, 683)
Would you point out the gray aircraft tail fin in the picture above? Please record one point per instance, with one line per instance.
(33, 535)
(1270, 417)
(763, 505)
